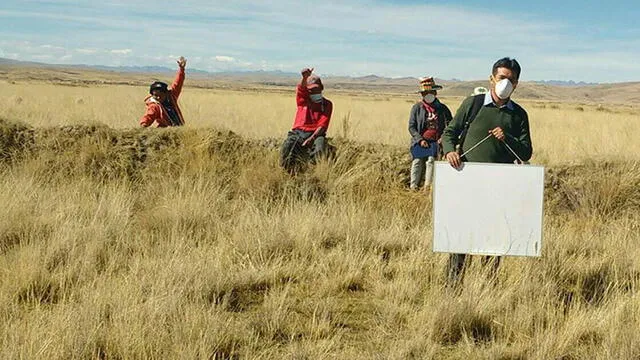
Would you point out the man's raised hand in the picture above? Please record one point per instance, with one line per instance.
(182, 62)
(306, 72)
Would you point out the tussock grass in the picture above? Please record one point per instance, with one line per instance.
(118, 242)
(562, 133)
(192, 243)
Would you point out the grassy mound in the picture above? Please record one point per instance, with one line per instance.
(183, 243)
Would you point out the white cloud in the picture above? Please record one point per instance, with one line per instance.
(344, 38)
(87, 51)
(121, 51)
(52, 47)
(222, 58)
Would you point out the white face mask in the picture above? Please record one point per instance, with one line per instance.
(504, 89)
(316, 97)
(429, 98)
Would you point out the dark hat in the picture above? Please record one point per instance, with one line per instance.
(428, 84)
(313, 82)
(158, 85)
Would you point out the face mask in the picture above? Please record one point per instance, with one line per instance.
(504, 88)
(429, 98)
(316, 97)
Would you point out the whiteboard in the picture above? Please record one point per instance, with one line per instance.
(488, 209)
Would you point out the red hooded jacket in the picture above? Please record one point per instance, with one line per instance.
(156, 113)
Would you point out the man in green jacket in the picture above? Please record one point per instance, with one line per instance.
(499, 133)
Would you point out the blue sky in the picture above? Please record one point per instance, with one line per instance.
(552, 40)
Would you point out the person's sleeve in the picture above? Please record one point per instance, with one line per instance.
(521, 143)
(302, 95)
(444, 118)
(453, 130)
(150, 116)
(325, 118)
(413, 124)
(176, 87)
(447, 116)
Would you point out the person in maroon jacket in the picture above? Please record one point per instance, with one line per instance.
(306, 140)
(162, 101)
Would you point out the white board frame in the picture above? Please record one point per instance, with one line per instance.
(472, 215)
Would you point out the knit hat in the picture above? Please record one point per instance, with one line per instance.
(158, 85)
(428, 84)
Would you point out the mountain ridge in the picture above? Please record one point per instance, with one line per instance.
(151, 69)
(83, 75)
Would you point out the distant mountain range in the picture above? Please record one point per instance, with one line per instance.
(122, 69)
(85, 75)
(261, 74)
(565, 83)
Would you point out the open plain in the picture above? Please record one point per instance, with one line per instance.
(121, 243)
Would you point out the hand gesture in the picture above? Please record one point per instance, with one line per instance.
(306, 72)
(424, 143)
(182, 62)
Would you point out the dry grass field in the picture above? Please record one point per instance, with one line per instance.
(126, 243)
(562, 132)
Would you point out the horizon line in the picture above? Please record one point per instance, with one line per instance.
(166, 68)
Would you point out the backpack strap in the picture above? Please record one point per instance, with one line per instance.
(478, 101)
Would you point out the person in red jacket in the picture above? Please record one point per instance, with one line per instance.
(307, 136)
(162, 101)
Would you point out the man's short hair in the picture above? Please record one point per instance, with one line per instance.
(508, 63)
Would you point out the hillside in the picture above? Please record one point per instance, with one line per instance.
(192, 243)
(620, 93)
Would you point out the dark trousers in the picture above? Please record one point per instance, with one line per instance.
(458, 264)
(293, 154)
